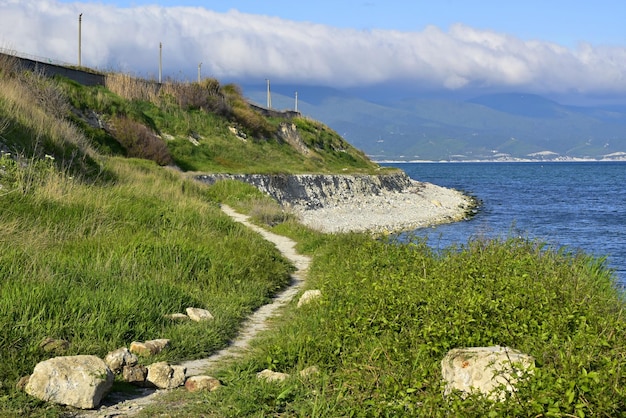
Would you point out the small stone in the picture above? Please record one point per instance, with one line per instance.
(120, 358)
(58, 346)
(164, 376)
(21, 384)
(177, 317)
(205, 383)
(198, 314)
(309, 296)
(309, 371)
(271, 376)
(135, 374)
(149, 348)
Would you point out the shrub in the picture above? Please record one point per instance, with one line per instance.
(139, 141)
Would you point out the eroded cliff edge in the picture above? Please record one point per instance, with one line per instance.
(377, 203)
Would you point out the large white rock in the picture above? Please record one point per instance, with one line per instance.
(78, 381)
(484, 370)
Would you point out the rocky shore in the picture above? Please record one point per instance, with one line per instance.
(421, 205)
(376, 203)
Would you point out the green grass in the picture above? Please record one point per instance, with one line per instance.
(101, 266)
(202, 140)
(391, 311)
(96, 249)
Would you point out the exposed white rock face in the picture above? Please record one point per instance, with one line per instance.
(484, 369)
(309, 296)
(378, 204)
(164, 376)
(319, 190)
(198, 314)
(78, 381)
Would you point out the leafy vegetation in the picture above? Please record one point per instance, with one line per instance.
(390, 312)
(96, 249)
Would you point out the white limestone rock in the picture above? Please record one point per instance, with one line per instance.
(164, 376)
(309, 296)
(119, 358)
(78, 381)
(150, 347)
(205, 383)
(272, 376)
(198, 314)
(485, 370)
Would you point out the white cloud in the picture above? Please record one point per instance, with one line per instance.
(235, 45)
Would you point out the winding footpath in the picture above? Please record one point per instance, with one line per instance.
(125, 405)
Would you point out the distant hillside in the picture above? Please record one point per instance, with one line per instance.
(491, 127)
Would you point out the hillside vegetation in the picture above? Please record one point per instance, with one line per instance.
(493, 127)
(101, 237)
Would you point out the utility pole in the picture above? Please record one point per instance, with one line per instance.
(296, 107)
(269, 96)
(199, 67)
(160, 60)
(80, 23)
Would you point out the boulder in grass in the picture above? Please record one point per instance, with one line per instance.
(271, 376)
(205, 383)
(309, 296)
(492, 371)
(164, 376)
(78, 381)
(198, 314)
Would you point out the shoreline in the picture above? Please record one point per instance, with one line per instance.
(421, 205)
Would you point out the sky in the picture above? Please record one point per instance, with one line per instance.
(550, 47)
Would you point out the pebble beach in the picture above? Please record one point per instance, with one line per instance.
(419, 206)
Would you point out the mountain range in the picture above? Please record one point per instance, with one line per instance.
(499, 126)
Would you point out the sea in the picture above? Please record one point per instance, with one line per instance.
(577, 205)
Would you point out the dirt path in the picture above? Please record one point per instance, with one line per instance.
(126, 405)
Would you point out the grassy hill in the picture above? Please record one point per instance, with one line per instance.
(102, 237)
(195, 126)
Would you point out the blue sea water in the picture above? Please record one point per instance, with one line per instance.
(580, 205)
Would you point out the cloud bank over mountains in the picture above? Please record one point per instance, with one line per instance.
(240, 46)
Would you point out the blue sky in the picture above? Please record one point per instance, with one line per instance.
(566, 22)
(550, 47)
